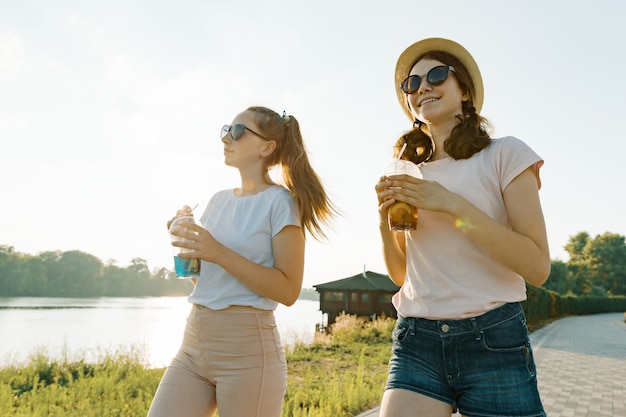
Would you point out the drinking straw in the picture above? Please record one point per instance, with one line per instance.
(401, 151)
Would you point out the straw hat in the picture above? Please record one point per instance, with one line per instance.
(408, 58)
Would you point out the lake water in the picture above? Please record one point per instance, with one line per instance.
(91, 328)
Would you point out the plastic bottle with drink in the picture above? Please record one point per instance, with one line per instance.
(402, 216)
(184, 267)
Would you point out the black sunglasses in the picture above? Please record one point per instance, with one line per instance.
(435, 76)
(236, 131)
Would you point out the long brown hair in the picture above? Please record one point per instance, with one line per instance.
(467, 138)
(314, 205)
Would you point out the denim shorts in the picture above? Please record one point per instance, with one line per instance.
(482, 366)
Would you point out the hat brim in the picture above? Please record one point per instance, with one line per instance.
(408, 58)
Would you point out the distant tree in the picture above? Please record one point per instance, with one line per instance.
(8, 270)
(139, 276)
(606, 255)
(115, 280)
(79, 274)
(140, 267)
(559, 279)
(35, 269)
(577, 265)
(576, 245)
(309, 294)
(597, 263)
(598, 291)
(54, 285)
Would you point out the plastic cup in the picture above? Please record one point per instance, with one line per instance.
(402, 216)
(184, 267)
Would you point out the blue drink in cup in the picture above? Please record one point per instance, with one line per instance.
(184, 267)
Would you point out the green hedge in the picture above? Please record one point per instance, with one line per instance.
(543, 305)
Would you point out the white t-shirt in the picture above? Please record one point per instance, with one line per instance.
(246, 225)
(448, 275)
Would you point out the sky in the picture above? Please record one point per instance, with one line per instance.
(110, 111)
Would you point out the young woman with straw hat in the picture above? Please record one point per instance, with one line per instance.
(461, 341)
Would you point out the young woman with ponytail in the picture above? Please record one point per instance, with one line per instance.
(251, 242)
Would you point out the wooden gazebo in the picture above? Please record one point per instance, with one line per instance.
(367, 294)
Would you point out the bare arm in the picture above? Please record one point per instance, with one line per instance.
(523, 247)
(281, 283)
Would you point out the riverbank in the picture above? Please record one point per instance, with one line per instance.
(86, 328)
(339, 375)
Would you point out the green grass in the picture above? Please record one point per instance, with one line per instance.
(117, 385)
(339, 375)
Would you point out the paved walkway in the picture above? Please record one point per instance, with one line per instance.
(581, 366)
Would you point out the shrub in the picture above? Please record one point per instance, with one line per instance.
(543, 305)
(350, 329)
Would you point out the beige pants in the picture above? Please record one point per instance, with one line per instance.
(230, 359)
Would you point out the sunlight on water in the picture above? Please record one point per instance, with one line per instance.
(297, 322)
(91, 328)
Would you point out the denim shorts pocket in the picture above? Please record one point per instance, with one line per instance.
(510, 342)
(511, 336)
(400, 332)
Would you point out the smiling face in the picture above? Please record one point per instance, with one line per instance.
(436, 104)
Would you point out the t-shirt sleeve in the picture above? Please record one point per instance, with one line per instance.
(211, 206)
(515, 156)
(283, 212)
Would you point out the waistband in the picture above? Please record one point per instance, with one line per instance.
(232, 309)
(489, 319)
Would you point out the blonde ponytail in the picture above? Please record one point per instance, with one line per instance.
(314, 206)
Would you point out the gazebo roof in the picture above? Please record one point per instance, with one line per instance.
(365, 281)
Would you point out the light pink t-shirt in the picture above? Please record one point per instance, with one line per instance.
(448, 275)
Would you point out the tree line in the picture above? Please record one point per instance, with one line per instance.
(78, 274)
(596, 267)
